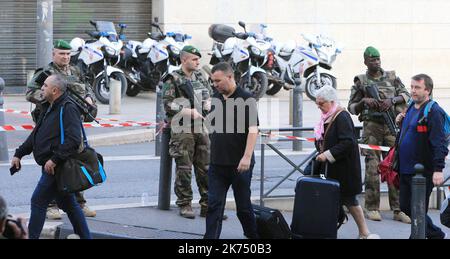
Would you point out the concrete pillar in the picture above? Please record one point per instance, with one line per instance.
(44, 36)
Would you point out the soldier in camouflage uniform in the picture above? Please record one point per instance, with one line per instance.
(59, 65)
(188, 147)
(394, 96)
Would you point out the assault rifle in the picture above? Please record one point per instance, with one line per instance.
(388, 115)
(188, 90)
(86, 108)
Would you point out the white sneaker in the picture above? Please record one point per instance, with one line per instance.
(73, 236)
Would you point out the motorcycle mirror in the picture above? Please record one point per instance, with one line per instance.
(242, 24)
(93, 23)
(156, 25)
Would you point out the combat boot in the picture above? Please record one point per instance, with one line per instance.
(373, 215)
(88, 212)
(204, 210)
(401, 216)
(187, 212)
(53, 213)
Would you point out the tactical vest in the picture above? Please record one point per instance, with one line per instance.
(196, 91)
(386, 90)
(73, 79)
(73, 82)
(198, 86)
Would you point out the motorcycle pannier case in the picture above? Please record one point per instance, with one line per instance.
(220, 32)
(316, 208)
(270, 223)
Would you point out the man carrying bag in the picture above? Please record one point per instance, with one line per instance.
(49, 151)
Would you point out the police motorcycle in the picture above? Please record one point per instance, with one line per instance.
(285, 71)
(282, 71)
(147, 63)
(96, 58)
(245, 53)
(315, 70)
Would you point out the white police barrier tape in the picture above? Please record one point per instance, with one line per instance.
(29, 114)
(143, 124)
(15, 111)
(363, 146)
(9, 128)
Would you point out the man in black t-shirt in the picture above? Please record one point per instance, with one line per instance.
(233, 138)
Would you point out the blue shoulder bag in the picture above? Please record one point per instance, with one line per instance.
(80, 171)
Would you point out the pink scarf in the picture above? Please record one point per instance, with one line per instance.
(319, 128)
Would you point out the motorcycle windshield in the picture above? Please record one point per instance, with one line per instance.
(108, 29)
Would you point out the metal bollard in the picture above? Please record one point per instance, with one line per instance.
(165, 171)
(418, 203)
(159, 119)
(3, 141)
(115, 95)
(297, 102)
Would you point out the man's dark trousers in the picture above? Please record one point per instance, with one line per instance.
(44, 192)
(219, 180)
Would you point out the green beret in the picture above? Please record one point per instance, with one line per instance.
(193, 50)
(371, 52)
(62, 44)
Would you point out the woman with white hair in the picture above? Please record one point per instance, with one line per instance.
(337, 146)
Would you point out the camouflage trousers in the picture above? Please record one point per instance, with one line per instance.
(190, 149)
(377, 134)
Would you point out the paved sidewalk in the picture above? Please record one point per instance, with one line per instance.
(152, 223)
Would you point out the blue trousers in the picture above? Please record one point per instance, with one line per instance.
(44, 193)
(219, 180)
(431, 230)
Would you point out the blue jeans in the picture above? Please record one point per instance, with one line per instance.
(431, 231)
(219, 180)
(45, 192)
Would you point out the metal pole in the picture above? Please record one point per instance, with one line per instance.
(261, 190)
(3, 141)
(297, 103)
(159, 119)
(44, 37)
(165, 171)
(418, 203)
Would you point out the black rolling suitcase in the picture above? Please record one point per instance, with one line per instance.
(316, 207)
(270, 223)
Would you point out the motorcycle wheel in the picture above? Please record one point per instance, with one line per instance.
(258, 84)
(102, 92)
(132, 90)
(274, 88)
(311, 86)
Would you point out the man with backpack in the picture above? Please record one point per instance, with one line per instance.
(422, 140)
(378, 114)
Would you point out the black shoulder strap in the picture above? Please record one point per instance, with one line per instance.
(61, 127)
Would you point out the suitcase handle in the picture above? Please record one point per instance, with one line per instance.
(325, 174)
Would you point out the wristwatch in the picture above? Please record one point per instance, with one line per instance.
(394, 101)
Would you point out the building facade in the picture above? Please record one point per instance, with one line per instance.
(413, 36)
